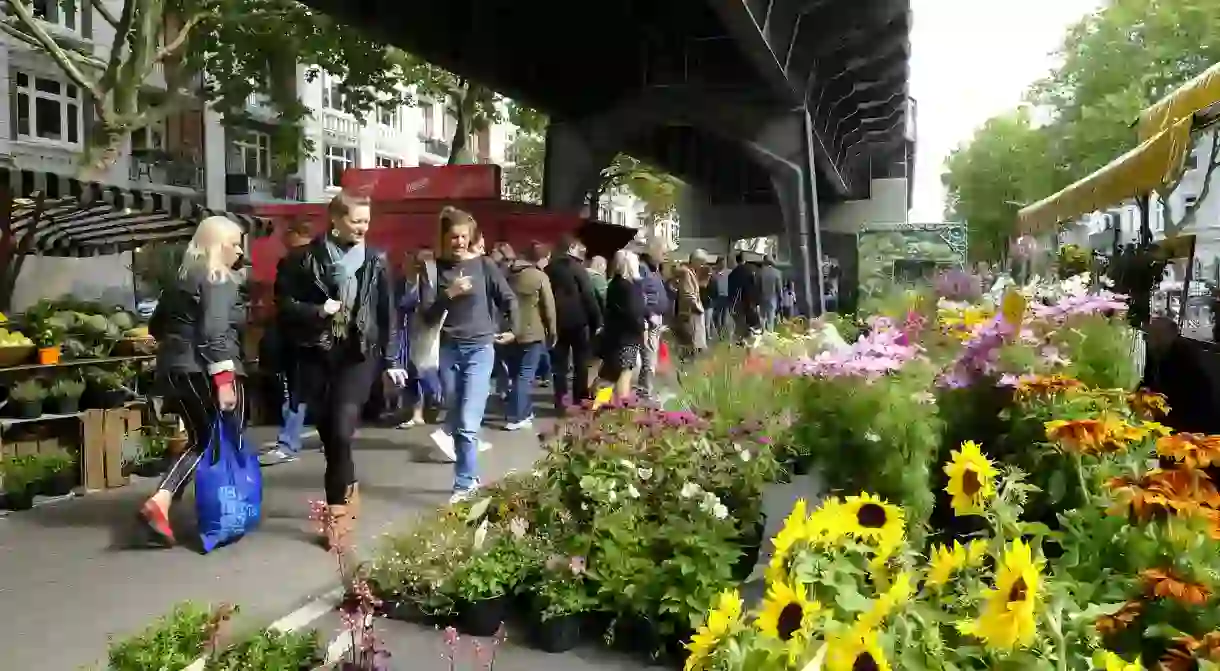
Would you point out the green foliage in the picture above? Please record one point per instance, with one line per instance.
(28, 391)
(172, 643)
(526, 154)
(293, 651)
(474, 106)
(235, 47)
(1100, 352)
(18, 473)
(1114, 63)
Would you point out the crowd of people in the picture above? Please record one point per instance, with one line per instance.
(445, 331)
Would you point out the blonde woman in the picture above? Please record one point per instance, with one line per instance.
(199, 357)
(336, 296)
(625, 324)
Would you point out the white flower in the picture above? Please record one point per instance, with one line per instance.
(745, 456)
(633, 492)
(613, 495)
(872, 437)
(627, 464)
(689, 490)
(710, 500)
(644, 473)
(480, 534)
(719, 511)
(518, 527)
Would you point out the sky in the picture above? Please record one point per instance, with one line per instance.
(972, 60)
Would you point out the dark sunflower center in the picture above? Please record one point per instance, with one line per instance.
(871, 516)
(789, 621)
(1019, 591)
(971, 484)
(865, 662)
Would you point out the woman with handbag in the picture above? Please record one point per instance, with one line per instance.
(337, 298)
(417, 349)
(199, 367)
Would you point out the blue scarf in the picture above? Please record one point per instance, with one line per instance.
(344, 265)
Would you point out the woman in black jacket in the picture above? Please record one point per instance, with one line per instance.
(337, 298)
(199, 367)
(624, 324)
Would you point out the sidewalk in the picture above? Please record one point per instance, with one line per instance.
(69, 578)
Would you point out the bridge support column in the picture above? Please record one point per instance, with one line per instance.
(572, 166)
(811, 219)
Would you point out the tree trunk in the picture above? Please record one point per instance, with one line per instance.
(13, 252)
(462, 108)
(1172, 228)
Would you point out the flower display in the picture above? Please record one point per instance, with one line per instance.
(971, 479)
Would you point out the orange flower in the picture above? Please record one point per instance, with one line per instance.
(1191, 449)
(1148, 404)
(1086, 436)
(1159, 491)
(1160, 584)
(1189, 649)
(1108, 625)
(1046, 385)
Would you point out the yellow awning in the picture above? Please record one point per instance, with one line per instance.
(1149, 167)
(1189, 99)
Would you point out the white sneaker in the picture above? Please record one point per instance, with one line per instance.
(517, 426)
(484, 445)
(444, 443)
(463, 495)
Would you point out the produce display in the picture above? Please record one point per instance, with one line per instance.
(79, 329)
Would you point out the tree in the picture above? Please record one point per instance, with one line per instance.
(656, 188)
(474, 107)
(1002, 168)
(525, 155)
(215, 52)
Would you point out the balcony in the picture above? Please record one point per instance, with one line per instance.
(159, 167)
(242, 188)
(435, 146)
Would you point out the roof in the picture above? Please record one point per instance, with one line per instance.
(82, 218)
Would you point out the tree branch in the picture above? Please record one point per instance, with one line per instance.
(100, 6)
(1192, 210)
(121, 32)
(53, 49)
(179, 39)
(9, 29)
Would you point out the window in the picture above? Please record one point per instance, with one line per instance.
(1189, 201)
(48, 110)
(1192, 161)
(251, 153)
(619, 218)
(429, 125)
(388, 162)
(332, 96)
(338, 158)
(59, 13)
(150, 137)
(387, 116)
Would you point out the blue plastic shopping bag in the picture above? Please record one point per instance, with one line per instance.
(228, 486)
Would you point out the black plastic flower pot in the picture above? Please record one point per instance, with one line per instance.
(802, 466)
(20, 500)
(149, 469)
(558, 634)
(28, 409)
(112, 398)
(636, 634)
(746, 562)
(66, 405)
(483, 617)
(59, 484)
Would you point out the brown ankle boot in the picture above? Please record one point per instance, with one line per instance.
(353, 500)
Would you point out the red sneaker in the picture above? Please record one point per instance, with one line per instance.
(154, 518)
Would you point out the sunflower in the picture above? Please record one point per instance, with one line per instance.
(795, 530)
(1148, 404)
(872, 520)
(897, 593)
(824, 524)
(971, 479)
(789, 616)
(720, 623)
(857, 649)
(1160, 584)
(1191, 449)
(1109, 661)
(946, 560)
(1007, 618)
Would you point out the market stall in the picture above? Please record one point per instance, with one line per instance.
(75, 375)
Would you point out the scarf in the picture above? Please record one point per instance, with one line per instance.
(344, 265)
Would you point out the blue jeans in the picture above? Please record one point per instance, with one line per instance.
(466, 370)
(544, 365)
(293, 424)
(523, 362)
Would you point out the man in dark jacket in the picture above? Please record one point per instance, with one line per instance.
(578, 319)
(744, 297)
(275, 358)
(771, 288)
(657, 304)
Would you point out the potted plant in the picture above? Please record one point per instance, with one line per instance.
(482, 585)
(562, 599)
(27, 398)
(106, 387)
(19, 474)
(59, 475)
(270, 649)
(65, 395)
(151, 462)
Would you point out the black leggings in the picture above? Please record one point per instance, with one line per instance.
(192, 397)
(337, 393)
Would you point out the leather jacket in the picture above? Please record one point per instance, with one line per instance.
(302, 287)
(197, 325)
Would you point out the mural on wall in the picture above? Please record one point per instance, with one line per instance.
(907, 253)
